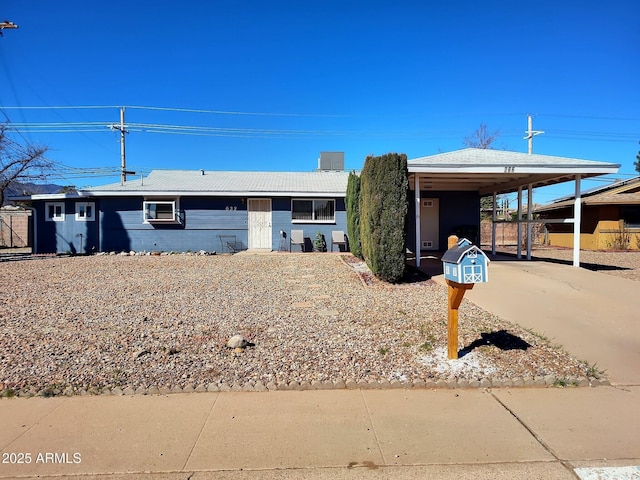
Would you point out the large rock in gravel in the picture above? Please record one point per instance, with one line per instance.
(237, 341)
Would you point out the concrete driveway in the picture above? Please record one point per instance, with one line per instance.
(593, 315)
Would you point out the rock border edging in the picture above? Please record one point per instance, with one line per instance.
(549, 381)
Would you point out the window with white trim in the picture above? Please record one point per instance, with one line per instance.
(85, 211)
(313, 210)
(159, 211)
(54, 211)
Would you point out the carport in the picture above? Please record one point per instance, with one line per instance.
(494, 172)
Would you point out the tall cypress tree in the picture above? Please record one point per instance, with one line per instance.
(353, 214)
(384, 185)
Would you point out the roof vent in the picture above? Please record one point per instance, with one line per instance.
(331, 161)
(201, 171)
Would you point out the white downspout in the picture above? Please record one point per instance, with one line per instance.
(34, 214)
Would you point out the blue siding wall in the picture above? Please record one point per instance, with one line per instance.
(119, 226)
(68, 236)
(202, 220)
(281, 221)
(457, 209)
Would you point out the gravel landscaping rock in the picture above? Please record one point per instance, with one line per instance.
(160, 323)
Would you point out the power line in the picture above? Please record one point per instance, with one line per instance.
(99, 126)
(184, 110)
(589, 117)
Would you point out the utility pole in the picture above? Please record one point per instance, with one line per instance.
(123, 157)
(531, 133)
(7, 24)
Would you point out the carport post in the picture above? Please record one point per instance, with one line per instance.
(519, 240)
(493, 225)
(529, 218)
(416, 183)
(577, 213)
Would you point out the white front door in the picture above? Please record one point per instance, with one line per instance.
(260, 223)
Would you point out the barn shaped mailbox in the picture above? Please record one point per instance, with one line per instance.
(465, 263)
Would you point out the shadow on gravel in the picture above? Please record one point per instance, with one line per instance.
(501, 339)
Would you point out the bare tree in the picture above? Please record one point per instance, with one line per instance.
(20, 162)
(481, 138)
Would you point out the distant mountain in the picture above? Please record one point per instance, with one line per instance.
(17, 189)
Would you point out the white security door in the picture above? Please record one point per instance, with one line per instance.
(260, 223)
(430, 224)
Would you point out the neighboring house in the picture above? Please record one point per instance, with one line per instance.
(610, 217)
(179, 210)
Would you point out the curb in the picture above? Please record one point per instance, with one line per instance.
(350, 384)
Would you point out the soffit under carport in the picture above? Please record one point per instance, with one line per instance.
(487, 183)
(486, 171)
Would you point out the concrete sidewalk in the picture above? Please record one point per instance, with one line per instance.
(510, 433)
(349, 434)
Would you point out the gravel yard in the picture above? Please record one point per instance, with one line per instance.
(156, 323)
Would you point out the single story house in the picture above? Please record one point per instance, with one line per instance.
(177, 210)
(610, 217)
(181, 210)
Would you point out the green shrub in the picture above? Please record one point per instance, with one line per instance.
(353, 214)
(384, 186)
(320, 244)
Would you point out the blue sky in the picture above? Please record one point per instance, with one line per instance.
(278, 82)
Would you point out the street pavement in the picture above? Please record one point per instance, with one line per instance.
(513, 433)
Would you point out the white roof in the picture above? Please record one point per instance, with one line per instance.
(226, 183)
(486, 170)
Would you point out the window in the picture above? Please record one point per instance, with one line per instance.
(320, 211)
(54, 211)
(159, 211)
(631, 215)
(85, 212)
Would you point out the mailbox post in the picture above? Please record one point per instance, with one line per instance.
(464, 265)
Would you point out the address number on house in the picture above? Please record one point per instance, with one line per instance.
(509, 169)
